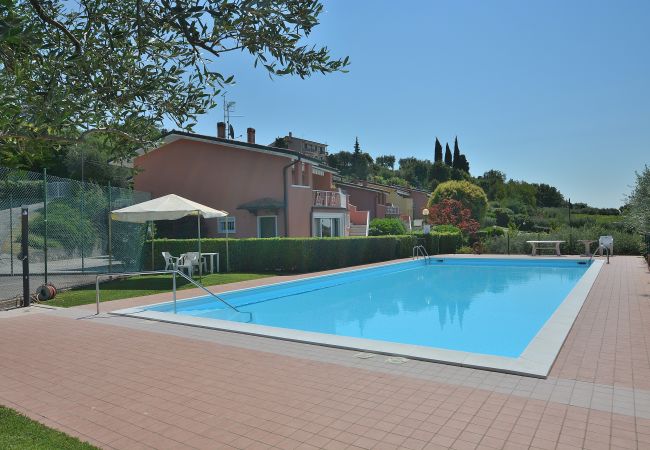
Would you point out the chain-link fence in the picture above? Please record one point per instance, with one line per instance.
(70, 235)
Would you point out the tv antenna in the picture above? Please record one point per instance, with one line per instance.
(228, 109)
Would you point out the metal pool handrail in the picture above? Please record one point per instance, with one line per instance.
(606, 248)
(168, 272)
(420, 250)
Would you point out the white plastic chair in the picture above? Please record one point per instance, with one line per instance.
(606, 242)
(169, 260)
(187, 261)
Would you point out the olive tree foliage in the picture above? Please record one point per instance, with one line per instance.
(638, 207)
(122, 68)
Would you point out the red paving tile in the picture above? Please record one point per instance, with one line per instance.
(120, 388)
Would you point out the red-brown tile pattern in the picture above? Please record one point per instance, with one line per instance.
(610, 340)
(125, 388)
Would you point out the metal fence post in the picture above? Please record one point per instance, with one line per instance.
(83, 228)
(108, 217)
(25, 254)
(11, 229)
(45, 222)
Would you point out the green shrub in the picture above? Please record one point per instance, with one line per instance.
(471, 195)
(304, 254)
(492, 231)
(445, 229)
(37, 242)
(503, 216)
(465, 250)
(386, 227)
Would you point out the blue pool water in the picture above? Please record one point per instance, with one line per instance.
(488, 306)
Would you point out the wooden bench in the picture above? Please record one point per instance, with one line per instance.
(545, 245)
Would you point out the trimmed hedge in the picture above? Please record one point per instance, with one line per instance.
(438, 243)
(303, 254)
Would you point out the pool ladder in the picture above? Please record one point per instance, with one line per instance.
(421, 251)
(173, 272)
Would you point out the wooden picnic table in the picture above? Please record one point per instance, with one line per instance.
(542, 245)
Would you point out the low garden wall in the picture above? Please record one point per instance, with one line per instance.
(304, 254)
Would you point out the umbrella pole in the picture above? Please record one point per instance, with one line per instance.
(227, 254)
(198, 226)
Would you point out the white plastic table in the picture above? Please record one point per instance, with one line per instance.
(211, 259)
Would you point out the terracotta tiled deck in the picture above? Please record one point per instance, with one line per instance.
(127, 383)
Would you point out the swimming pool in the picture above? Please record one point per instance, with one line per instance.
(448, 309)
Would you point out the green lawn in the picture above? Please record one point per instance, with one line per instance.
(21, 433)
(142, 285)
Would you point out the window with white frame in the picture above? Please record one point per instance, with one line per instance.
(227, 225)
(327, 227)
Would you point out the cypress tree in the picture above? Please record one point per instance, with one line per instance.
(438, 152)
(448, 160)
(357, 147)
(456, 162)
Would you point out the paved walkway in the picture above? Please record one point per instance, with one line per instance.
(126, 383)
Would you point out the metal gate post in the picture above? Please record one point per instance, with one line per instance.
(45, 222)
(25, 254)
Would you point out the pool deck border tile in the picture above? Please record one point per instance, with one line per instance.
(124, 383)
(536, 360)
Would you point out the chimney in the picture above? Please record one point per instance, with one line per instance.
(290, 134)
(250, 134)
(221, 130)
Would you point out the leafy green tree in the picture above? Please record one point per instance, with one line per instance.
(462, 164)
(448, 159)
(72, 69)
(548, 196)
(355, 165)
(280, 142)
(415, 171)
(360, 162)
(437, 152)
(439, 173)
(493, 182)
(387, 161)
(341, 161)
(638, 202)
(522, 192)
(471, 195)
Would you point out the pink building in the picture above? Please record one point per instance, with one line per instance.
(267, 191)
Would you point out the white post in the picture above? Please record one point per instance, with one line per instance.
(227, 254)
(198, 222)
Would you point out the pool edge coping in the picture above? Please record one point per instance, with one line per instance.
(536, 360)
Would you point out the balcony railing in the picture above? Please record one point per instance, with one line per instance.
(329, 199)
(392, 210)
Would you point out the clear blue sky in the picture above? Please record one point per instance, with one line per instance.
(546, 91)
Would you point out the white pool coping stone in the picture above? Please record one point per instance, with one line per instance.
(536, 360)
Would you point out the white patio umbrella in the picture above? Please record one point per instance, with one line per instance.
(168, 207)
